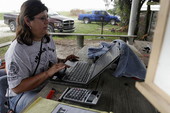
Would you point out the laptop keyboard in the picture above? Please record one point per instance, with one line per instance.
(79, 73)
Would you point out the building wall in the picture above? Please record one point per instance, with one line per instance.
(151, 27)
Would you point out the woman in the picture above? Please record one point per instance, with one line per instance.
(31, 58)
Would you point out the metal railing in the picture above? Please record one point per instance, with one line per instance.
(5, 44)
(80, 37)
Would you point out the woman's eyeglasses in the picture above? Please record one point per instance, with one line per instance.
(42, 18)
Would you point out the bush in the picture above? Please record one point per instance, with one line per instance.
(76, 12)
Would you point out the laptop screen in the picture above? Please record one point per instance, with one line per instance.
(105, 60)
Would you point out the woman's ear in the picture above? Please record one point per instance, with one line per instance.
(27, 21)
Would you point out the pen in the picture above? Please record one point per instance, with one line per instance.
(51, 94)
(61, 97)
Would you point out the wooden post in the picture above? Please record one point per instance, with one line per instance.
(80, 41)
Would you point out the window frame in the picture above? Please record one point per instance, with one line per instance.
(157, 97)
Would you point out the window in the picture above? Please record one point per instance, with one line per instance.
(96, 12)
(156, 87)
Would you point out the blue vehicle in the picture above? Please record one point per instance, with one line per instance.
(98, 16)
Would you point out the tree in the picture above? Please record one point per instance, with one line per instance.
(138, 16)
(123, 8)
(108, 3)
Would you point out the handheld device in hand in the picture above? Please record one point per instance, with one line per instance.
(82, 95)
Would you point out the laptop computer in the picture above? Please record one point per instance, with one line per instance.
(88, 71)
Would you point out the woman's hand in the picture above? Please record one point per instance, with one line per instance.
(72, 58)
(55, 68)
(35, 81)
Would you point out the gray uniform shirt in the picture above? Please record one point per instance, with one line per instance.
(21, 61)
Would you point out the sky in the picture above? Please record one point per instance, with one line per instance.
(54, 5)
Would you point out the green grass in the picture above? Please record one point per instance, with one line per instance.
(6, 39)
(93, 28)
(3, 51)
(1, 16)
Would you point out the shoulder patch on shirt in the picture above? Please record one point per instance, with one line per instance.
(13, 68)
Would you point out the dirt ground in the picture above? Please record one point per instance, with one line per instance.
(140, 45)
(66, 47)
